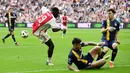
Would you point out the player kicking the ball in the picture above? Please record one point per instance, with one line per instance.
(42, 24)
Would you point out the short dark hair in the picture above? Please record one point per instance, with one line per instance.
(113, 11)
(55, 11)
(76, 41)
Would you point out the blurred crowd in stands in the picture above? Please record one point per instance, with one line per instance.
(78, 10)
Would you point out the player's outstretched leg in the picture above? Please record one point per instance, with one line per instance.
(13, 37)
(3, 39)
(14, 40)
(50, 44)
(105, 50)
(99, 63)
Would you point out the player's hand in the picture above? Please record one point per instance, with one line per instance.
(100, 44)
(111, 28)
(118, 41)
(76, 70)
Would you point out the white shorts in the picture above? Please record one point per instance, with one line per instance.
(44, 37)
(63, 27)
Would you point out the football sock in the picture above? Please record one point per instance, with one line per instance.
(50, 51)
(6, 36)
(50, 44)
(114, 53)
(13, 38)
(101, 56)
(49, 60)
(64, 32)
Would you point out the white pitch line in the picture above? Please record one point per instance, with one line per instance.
(41, 70)
(38, 70)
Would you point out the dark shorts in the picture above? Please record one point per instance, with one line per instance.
(11, 28)
(89, 58)
(108, 43)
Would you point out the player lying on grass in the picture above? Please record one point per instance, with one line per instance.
(84, 62)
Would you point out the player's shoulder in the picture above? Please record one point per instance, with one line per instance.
(116, 20)
(70, 53)
(104, 21)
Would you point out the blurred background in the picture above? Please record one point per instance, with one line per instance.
(80, 11)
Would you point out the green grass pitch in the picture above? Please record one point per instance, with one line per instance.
(30, 56)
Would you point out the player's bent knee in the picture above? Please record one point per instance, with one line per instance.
(106, 49)
(97, 48)
(114, 45)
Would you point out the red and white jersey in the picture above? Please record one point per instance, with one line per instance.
(64, 20)
(44, 22)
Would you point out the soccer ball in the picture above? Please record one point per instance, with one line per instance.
(24, 34)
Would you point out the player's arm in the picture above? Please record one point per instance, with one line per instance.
(72, 68)
(70, 61)
(56, 29)
(8, 20)
(6, 17)
(103, 30)
(16, 16)
(103, 27)
(55, 26)
(116, 37)
(91, 44)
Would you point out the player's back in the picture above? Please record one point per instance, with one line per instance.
(44, 22)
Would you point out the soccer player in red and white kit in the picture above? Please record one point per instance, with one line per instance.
(42, 24)
(64, 23)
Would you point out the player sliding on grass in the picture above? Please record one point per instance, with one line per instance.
(84, 62)
(42, 24)
(110, 29)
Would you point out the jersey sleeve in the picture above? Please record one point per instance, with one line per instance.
(15, 15)
(118, 26)
(104, 24)
(70, 60)
(82, 44)
(54, 24)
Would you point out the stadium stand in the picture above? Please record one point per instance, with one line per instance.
(79, 10)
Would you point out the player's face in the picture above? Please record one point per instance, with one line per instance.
(110, 15)
(77, 46)
(10, 10)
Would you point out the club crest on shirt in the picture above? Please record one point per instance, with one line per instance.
(115, 24)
